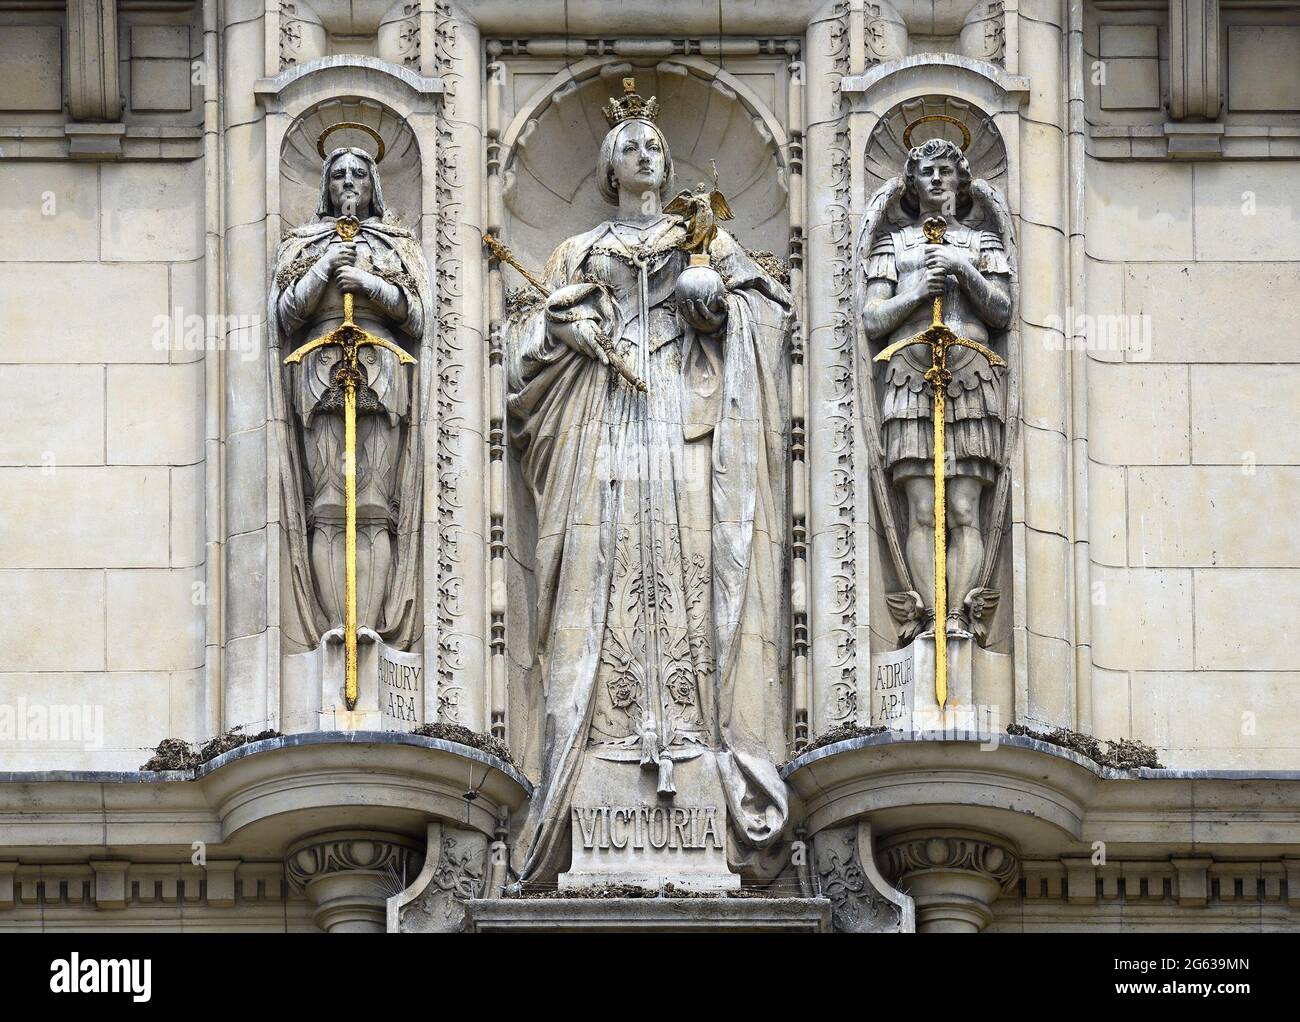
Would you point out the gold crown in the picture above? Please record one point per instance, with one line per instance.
(631, 105)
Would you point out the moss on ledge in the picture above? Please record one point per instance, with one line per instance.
(1120, 753)
(464, 736)
(176, 754)
(632, 891)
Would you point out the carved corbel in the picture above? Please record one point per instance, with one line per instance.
(844, 870)
(93, 89)
(1194, 59)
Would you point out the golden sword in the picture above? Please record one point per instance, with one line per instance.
(940, 338)
(351, 338)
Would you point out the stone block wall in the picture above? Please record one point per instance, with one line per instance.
(1193, 386)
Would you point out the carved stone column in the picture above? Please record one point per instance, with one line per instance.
(954, 876)
(349, 876)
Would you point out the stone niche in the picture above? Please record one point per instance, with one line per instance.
(302, 101)
(546, 113)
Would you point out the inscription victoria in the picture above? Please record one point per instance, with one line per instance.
(674, 827)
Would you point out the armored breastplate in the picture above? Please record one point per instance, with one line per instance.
(909, 263)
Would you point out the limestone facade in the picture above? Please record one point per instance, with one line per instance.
(152, 157)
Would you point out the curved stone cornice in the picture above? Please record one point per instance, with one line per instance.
(1049, 801)
(257, 800)
(962, 76)
(346, 75)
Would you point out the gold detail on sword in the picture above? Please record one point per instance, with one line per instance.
(351, 338)
(940, 338)
(503, 254)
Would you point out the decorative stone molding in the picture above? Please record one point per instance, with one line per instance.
(350, 875)
(954, 876)
(93, 89)
(845, 871)
(1194, 60)
(456, 868)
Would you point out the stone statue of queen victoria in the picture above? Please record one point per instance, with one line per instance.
(661, 513)
(385, 271)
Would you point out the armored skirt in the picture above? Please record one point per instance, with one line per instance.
(974, 405)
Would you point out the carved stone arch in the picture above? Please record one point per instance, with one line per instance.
(304, 99)
(706, 113)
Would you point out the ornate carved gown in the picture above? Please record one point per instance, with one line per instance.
(661, 524)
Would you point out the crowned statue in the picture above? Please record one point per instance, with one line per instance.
(377, 268)
(649, 406)
(936, 248)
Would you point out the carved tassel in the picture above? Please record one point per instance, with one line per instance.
(666, 776)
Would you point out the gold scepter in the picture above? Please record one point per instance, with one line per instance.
(940, 338)
(503, 254)
(351, 338)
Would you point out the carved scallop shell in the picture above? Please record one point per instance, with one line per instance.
(549, 171)
(300, 164)
(885, 152)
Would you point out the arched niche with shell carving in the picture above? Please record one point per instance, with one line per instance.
(907, 124)
(302, 103)
(549, 149)
(300, 163)
(545, 128)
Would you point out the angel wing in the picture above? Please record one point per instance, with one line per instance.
(681, 204)
(991, 213)
(721, 209)
(876, 220)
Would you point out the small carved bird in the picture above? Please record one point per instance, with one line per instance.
(702, 209)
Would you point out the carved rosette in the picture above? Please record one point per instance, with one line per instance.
(955, 876)
(349, 876)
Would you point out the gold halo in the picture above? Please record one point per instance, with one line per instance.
(965, 131)
(320, 142)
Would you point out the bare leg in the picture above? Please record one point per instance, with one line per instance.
(920, 537)
(965, 545)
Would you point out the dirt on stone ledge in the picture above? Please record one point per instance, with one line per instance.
(175, 754)
(1120, 753)
(633, 891)
(464, 736)
(839, 733)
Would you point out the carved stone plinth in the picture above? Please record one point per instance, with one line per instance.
(650, 915)
(349, 876)
(953, 876)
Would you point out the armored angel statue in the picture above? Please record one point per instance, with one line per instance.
(935, 242)
(649, 402)
(377, 269)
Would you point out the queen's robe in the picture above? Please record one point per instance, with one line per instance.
(661, 528)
